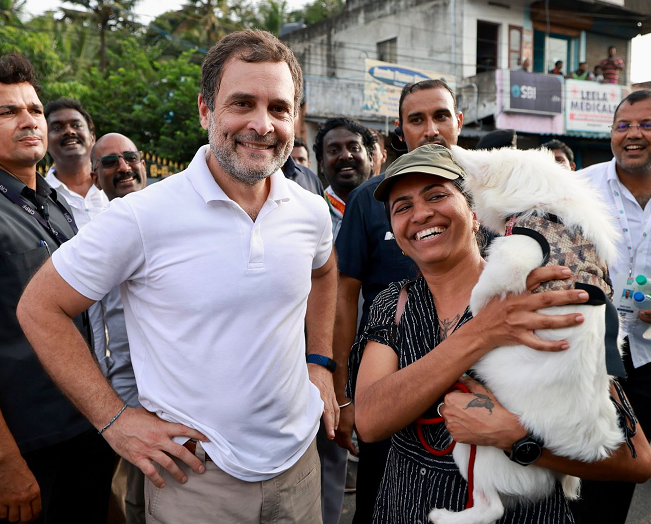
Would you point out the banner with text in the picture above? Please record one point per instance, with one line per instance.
(534, 93)
(590, 106)
(384, 81)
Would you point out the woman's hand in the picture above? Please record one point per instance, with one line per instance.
(512, 321)
(478, 418)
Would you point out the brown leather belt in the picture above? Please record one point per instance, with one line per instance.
(191, 446)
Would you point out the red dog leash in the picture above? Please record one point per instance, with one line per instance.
(421, 421)
(400, 308)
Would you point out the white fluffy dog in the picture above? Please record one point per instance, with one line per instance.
(560, 397)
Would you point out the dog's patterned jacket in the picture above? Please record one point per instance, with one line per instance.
(568, 248)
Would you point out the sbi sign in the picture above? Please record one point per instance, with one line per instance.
(535, 93)
(523, 92)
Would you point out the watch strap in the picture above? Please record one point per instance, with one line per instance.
(322, 360)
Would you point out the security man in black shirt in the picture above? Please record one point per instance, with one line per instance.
(52, 462)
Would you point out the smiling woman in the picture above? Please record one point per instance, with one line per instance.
(415, 348)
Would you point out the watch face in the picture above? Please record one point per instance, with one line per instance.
(527, 452)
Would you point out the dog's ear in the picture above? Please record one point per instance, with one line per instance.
(474, 163)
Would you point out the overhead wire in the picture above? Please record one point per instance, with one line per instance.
(346, 65)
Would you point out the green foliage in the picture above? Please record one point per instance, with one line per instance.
(321, 9)
(37, 47)
(153, 102)
(139, 81)
(10, 11)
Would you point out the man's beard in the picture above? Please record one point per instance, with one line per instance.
(225, 152)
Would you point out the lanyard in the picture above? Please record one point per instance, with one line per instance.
(617, 195)
(45, 222)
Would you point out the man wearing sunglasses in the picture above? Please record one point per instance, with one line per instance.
(220, 268)
(118, 167)
(625, 183)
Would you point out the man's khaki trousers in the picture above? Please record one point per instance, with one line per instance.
(293, 497)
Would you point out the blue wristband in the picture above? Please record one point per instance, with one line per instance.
(321, 360)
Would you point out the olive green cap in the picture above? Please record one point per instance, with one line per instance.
(431, 159)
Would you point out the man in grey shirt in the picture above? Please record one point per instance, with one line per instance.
(118, 169)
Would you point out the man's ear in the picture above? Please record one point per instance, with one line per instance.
(204, 113)
(144, 172)
(95, 178)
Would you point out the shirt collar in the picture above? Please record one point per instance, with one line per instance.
(203, 182)
(18, 186)
(611, 172)
(57, 184)
(289, 169)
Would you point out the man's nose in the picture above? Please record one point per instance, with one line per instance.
(261, 123)
(432, 128)
(634, 131)
(123, 165)
(345, 154)
(28, 120)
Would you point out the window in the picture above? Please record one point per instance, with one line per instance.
(515, 46)
(487, 36)
(387, 50)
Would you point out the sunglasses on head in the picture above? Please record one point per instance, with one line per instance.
(130, 157)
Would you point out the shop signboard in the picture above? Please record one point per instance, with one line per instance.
(383, 82)
(590, 106)
(534, 93)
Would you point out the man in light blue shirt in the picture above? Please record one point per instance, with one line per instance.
(625, 183)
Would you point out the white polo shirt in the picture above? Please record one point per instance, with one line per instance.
(638, 223)
(214, 305)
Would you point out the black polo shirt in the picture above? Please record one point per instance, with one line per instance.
(36, 412)
(366, 248)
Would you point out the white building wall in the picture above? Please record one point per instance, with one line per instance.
(333, 56)
(517, 14)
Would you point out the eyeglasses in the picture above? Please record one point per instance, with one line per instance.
(624, 127)
(110, 161)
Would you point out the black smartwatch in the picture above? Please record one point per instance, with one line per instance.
(326, 362)
(526, 450)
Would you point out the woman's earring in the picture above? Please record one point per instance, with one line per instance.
(403, 252)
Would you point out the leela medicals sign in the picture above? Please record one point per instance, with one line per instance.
(590, 106)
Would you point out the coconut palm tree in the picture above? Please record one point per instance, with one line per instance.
(105, 15)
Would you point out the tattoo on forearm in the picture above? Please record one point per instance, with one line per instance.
(481, 401)
(448, 325)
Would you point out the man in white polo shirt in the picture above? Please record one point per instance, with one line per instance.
(218, 266)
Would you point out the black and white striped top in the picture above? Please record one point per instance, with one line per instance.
(416, 481)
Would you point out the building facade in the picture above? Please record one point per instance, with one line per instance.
(356, 62)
